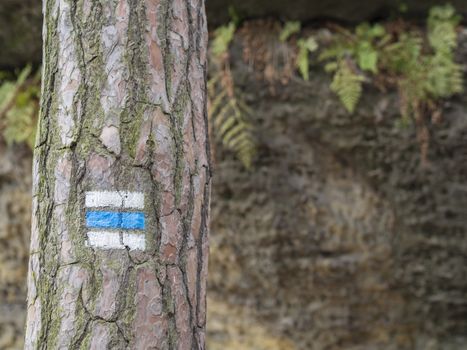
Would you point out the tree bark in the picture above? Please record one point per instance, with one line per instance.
(122, 133)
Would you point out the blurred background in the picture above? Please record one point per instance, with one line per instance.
(339, 209)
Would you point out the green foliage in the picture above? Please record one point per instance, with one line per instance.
(444, 76)
(423, 73)
(362, 49)
(305, 46)
(421, 67)
(426, 74)
(229, 119)
(442, 22)
(347, 84)
(228, 114)
(223, 36)
(234, 16)
(19, 107)
(290, 28)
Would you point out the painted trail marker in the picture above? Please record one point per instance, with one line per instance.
(113, 220)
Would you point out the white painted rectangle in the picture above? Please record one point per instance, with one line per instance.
(103, 199)
(131, 200)
(134, 241)
(104, 240)
(111, 240)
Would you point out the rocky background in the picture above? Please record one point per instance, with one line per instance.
(15, 226)
(338, 238)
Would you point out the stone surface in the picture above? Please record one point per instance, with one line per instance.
(306, 10)
(20, 32)
(15, 225)
(339, 238)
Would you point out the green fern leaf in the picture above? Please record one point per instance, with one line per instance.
(367, 57)
(305, 46)
(290, 28)
(223, 36)
(347, 85)
(228, 116)
(442, 22)
(445, 77)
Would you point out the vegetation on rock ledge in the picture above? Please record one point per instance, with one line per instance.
(420, 65)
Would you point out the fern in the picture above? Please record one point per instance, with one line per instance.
(402, 56)
(223, 36)
(227, 113)
(444, 75)
(305, 46)
(347, 85)
(290, 28)
(229, 119)
(422, 74)
(367, 57)
(442, 22)
(362, 49)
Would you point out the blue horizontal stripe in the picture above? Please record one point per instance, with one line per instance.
(133, 221)
(103, 219)
(109, 219)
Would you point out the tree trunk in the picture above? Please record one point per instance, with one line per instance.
(121, 178)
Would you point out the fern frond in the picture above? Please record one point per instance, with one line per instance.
(305, 46)
(225, 124)
(223, 36)
(289, 29)
(347, 85)
(229, 136)
(401, 57)
(228, 116)
(442, 22)
(336, 51)
(367, 57)
(445, 77)
(216, 104)
(443, 37)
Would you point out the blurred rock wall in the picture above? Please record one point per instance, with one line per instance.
(339, 238)
(15, 222)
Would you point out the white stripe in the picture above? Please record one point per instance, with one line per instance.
(134, 241)
(111, 240)
(133, 200)
(103, 199)
(105, 240)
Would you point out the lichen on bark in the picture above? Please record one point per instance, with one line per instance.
(123, 109)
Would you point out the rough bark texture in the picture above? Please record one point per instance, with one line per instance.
(21, 19)
(123, 109)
